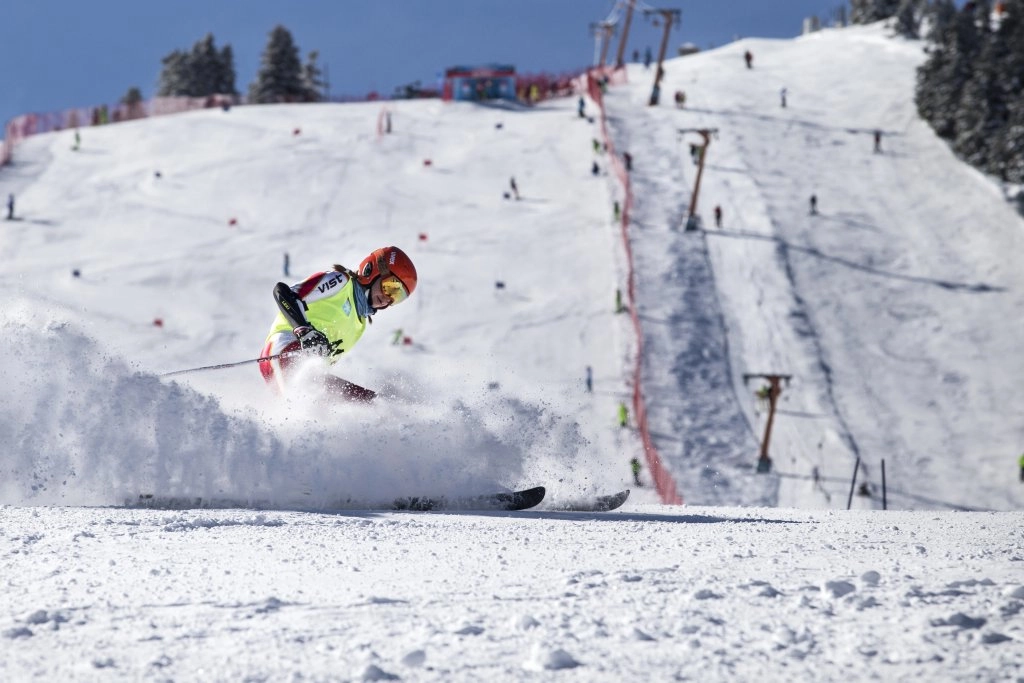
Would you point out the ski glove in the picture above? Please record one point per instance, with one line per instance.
(313, 340)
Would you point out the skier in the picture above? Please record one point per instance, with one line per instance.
(814, 204)
(1022, 467)
(590, 379)
(782, 95)
(580, 105)
(627, 158)
(623, 415)
(749, 58)
(695, 153)
(634, 464)
(764, 396)
(327, 313)
(878, 141)
(718, 216)
(10, 207)
(515, 188)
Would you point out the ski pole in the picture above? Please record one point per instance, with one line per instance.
(229, 365)
(342, 387)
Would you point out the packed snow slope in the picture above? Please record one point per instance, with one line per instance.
(897, 309)
(186, 219)
(656, 593)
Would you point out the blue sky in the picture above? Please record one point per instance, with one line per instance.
(57, 54)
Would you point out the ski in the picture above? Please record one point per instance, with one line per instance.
(150, 501)
(510, 500)
(604, 503)
(506, 500)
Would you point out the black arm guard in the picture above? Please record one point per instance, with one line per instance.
(290, 305)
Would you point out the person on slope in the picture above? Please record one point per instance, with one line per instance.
(327, 313)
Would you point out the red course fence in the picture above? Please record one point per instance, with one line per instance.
(530, 88)
(663, 480)
(21, 127)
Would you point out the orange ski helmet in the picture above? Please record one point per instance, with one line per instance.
(385, 262)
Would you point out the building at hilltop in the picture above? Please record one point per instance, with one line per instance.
(479, 83)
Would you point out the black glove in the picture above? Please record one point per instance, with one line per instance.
(313, 340)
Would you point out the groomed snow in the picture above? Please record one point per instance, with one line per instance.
(651, 593)
(898, 311)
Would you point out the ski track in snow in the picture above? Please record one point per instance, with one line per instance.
(812, 296)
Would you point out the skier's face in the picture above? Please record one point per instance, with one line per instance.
(387, 291)
(377, 298)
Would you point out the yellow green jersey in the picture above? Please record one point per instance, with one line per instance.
(329, 304)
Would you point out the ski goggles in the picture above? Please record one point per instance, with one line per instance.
(393, 289)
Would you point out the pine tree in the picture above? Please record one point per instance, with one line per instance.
(174, 78)
(868, 11)
(1009, 145)
(226, 81)
(942, 78)
(204, 65)
(312, 77)
(981, 113)
(132, 102)
(908, 18)
(939, 15)
(280, 77)
(976, 115)
(203, 71)
(132, 97)
(1012, 143)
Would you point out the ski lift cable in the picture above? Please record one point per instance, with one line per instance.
(644, 7)
(613, 14)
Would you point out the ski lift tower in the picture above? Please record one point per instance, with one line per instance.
(667, 17)
(764, 463)
(692, 219)
(619, 63)
(602, 31)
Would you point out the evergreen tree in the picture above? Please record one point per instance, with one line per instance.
(981, 113)
(203, 71)
(205, 68)
(908, 18)
(226, 82)
(939, 15)
(976, 110)
(868, 11)
(280, 77)
(312, 77)
(1008, 147)
(132, 102)
(174, 78)
(942, 78)
(971, 88)
(132, 97)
